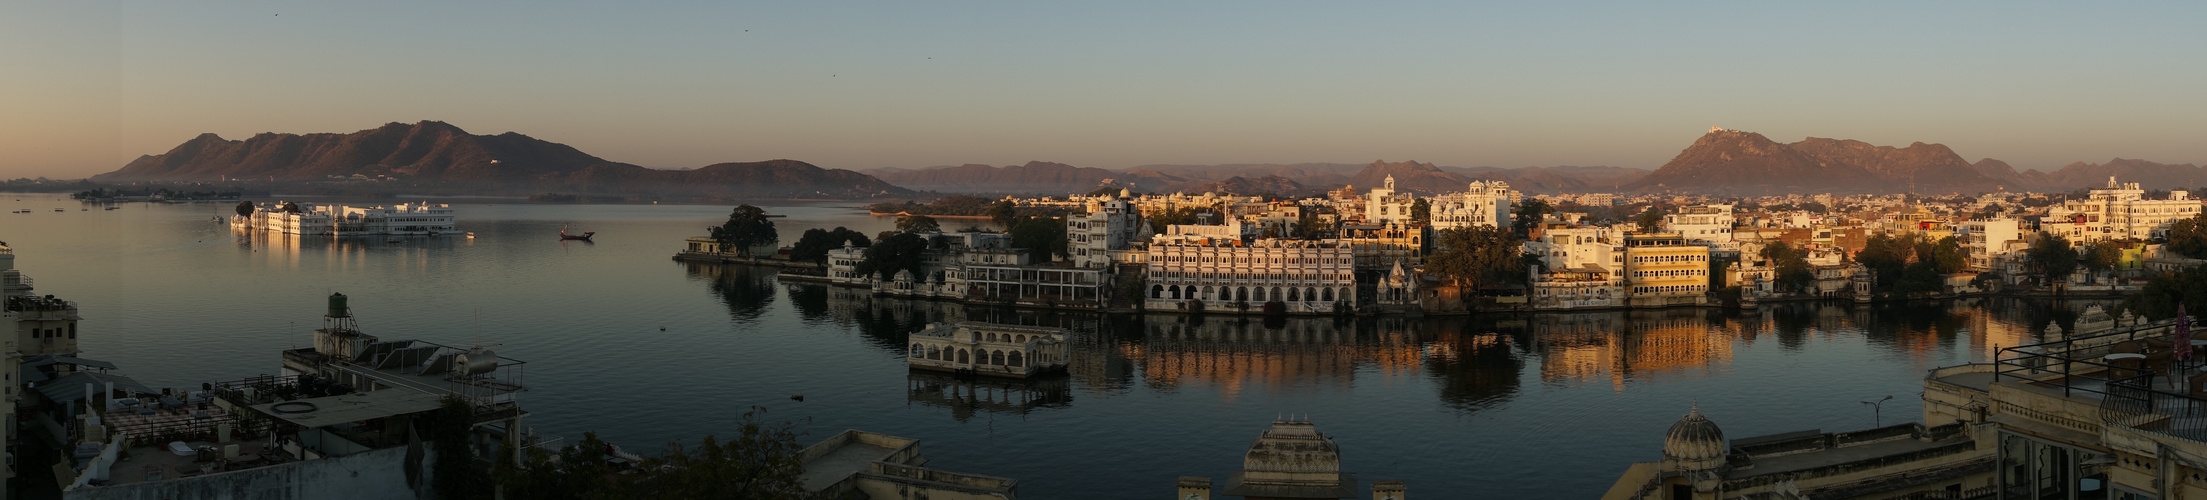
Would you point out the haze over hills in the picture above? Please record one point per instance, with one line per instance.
(438, 155)
(1048, 178)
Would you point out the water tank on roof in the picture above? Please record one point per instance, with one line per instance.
(475, 363)
(337, 306)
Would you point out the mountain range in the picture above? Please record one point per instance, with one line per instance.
(432, 156)
(438, 155)
(1746, 163)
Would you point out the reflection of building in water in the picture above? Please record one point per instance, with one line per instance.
(1233, 353)
(1620, 346)
(290, 250)
(965, 396)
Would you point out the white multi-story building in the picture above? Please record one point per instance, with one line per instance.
(976, 267)
(1112, 232)
(1485, 203)
(1304, 276)
(1705, 225)
(1384, 205)
(1988, 240)
(1582, 247)
(403, 219)
(2118, 212)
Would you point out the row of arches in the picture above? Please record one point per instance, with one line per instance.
(969, 357)
(1011, 337)
(1244, 294)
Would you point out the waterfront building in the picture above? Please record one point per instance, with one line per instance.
(1302, 276)
(402, 219)
(1110, 233)
(1661, 269)
(39, 327)
(1377, 246)
(2117, 212)
(856, 464)
(1580, 268)
(1987, 240)
(1289, 460)
(2085, 414)
(992, 349)
(977, 267)
(1705, 225)
(1483, 203)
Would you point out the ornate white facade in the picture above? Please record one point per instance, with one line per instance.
(2118, 212)
(1304, 276)
(1485, 203)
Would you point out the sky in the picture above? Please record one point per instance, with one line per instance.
(86, 86)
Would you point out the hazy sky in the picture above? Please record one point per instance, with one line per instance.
(86, 85)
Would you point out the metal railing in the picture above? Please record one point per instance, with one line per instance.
(2129, 396)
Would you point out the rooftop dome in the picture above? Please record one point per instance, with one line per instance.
(1695, 442)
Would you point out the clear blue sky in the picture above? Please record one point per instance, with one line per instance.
(86, 86)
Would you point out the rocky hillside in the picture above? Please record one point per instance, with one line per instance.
(1035, 177)
(1736, 162)
(441, 156)
(2149, 174)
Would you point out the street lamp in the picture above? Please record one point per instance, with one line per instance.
(1877, 408)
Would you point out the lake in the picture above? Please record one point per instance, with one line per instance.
(623, 341)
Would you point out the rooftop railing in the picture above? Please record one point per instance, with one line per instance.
(2142, 396)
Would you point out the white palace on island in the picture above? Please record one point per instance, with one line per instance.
(338, 220)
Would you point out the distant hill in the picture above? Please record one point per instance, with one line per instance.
(1736, 162)
(438, 155)
(1270, 184)
(2149, 174)
(1035, 177)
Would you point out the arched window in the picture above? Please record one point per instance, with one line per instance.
(918, 351)
(962, 358)
(1310, 294)
(934, 352)
(996, 358)
(1294, 295)
(1345, 294)
(1157, 291)
(1014, 360)
(1329, 295)
(1175, 292)
(992, 336)
(1241, 294)
(1260, 294)
(1022, 339)
(1276, 294)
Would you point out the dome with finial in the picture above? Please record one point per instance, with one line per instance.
(1695, 442)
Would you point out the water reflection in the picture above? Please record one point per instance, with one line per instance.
(965, 396)
(746, 290)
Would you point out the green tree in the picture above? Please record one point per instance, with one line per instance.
(1421, 211)
(918, 224)
(815, 244)
(1177, 216)
(898, 252)
(761, 462)
(1790, 266)
(2101, 257)
(245, 209)
(1529, 215)
(1887, 257)
(1949, 256)
(1310, 225)
(2158, 299)
(2053, 256)
(1651, 220)
(2188, 237)
(452, 431)
(1004, 212)
(1478, 256)
(1041, 237)
(747, 227)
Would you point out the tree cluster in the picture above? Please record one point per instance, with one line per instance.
(1529, 215)
(896, 252)
(2188, 237)
(815, 244)
(761, 462)
(1041, 237)
(1910, 262)
(1790, 266)
(1479, 256)
(2053, 257)
(1177, 216)
(747, 227)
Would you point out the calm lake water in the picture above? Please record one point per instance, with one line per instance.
(1526, 406)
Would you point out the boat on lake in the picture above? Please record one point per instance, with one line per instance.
(585, 236)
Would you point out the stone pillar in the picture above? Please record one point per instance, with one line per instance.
(1194, 488)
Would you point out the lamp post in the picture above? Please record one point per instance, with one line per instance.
(1877, 409)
